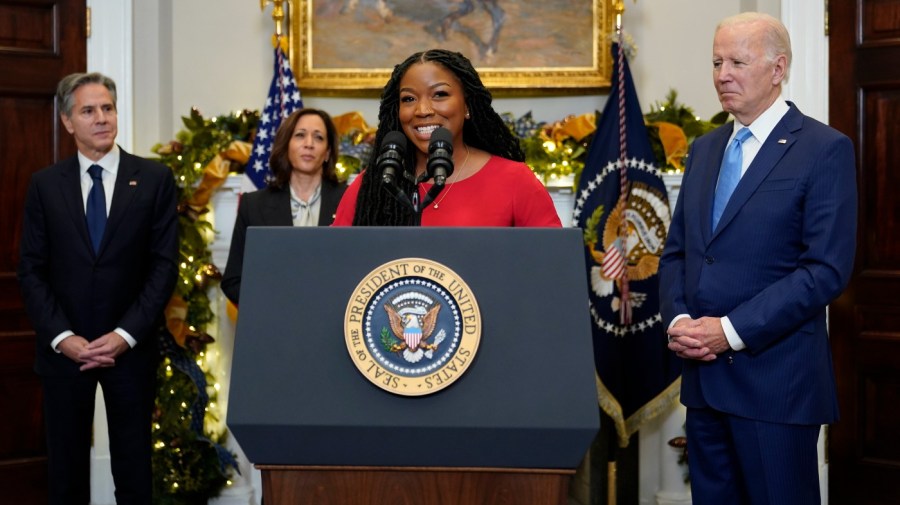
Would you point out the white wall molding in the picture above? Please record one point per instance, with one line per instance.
(109, 51)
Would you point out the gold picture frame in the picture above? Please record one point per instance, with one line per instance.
(349, 47)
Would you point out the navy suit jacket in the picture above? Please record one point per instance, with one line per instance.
(783, 250)
(66, 286)
(269, 207)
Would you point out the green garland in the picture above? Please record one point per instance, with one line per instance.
(187, 469)
(553, 159)
(548, 158)
(671, 111)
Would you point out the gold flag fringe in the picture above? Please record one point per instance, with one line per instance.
(660, 404)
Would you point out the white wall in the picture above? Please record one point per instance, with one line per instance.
(217, 55)
(152, 66)
(674, 40)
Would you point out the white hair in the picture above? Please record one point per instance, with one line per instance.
(776, 39)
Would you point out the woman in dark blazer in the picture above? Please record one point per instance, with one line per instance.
(303, 191)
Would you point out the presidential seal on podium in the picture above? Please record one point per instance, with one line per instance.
(412, 327)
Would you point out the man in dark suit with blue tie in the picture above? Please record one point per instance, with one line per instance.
(97, 266)
(762, 240)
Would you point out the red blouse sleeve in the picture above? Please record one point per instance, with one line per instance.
(347, 208)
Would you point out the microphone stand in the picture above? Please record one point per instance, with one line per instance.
(399, 195)
(412, 203)
(432, 194)
(429, 197)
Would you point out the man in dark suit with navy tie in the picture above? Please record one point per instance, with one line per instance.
(762, 239)
(97, 266)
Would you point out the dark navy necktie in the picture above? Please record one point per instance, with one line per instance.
(96, 207)
(729, 174)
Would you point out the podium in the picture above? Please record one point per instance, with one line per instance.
(511, 429)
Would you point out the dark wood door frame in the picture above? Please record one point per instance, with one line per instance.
(44, 41)
(864, 83)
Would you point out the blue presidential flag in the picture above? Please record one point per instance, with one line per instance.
(622, 207)
(284, 98)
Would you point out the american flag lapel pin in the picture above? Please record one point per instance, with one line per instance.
(132, 182)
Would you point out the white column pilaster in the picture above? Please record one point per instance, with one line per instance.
(109, 52)
(672, 488)
(245, 488)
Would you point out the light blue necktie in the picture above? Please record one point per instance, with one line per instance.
(95, 212)
(729, 174)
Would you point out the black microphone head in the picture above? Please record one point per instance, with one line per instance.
(390, 160)
(394, 138)
(441, 138)
(440, 156)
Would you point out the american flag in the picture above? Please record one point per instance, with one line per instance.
(284, 98)
(613, 264)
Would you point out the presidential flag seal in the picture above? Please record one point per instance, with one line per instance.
(412, 327)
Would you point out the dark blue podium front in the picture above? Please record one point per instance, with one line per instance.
(528, 400)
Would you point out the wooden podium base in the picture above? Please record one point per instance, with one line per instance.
(329, 485)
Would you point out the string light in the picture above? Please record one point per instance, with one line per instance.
(177, 463)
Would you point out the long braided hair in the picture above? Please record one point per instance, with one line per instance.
(484, 130)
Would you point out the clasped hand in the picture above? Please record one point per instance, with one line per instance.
(98, 353)
(700, 339)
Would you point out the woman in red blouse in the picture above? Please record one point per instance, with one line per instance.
(490, 185)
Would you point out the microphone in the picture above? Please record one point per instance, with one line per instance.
(390, 160)
(440, 156)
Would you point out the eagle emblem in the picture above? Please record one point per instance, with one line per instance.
(646, 216)
(413, 318)
(407, 331)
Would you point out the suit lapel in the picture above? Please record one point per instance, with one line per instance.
(710, 176)
(331, 197)
(70, 187)
(127, 184)
(276, 208)
(777, 144)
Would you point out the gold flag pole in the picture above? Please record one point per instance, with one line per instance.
(611, 468)
(278, 17)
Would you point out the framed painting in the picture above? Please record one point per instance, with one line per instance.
(349, 47)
